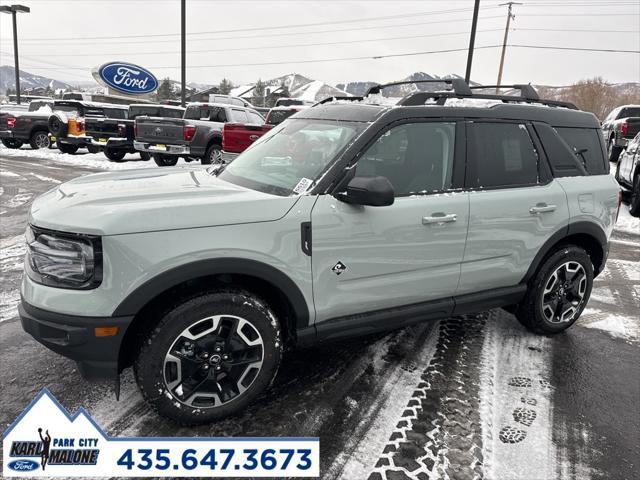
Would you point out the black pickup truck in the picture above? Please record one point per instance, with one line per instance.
(67, 122)
(116, 135)
(198, 135)
(619, 128)
(19, 127)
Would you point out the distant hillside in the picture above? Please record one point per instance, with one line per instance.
(360, 88)
(28, 81)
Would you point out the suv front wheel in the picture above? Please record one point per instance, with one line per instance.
(209, 357)
(558, 293)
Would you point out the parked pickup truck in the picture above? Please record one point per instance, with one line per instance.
(67, 122)
(116, 135)
(198, 135)
(619, 128)
(237, 137)
(19, 127)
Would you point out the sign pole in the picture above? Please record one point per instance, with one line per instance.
(184, 53)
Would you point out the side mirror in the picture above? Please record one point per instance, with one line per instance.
(373, 191)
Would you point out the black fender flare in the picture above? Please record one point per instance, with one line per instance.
(149, 290)
(585, 228)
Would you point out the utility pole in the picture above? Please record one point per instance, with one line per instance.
(472, 41)
(14, 10)
(183, 49)
(510, 16)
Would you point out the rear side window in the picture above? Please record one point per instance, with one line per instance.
(217, 114)
(587, 147)
(501, 154)
(239, 116)
(629, 112)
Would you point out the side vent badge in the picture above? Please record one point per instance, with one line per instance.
(338, 268)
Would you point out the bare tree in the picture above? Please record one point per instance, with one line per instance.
(593, 95)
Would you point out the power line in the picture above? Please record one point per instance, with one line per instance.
(286, 34)
(406, 37)
(374, 57)
(272, 27)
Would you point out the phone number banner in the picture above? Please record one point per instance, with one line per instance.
(46, 441)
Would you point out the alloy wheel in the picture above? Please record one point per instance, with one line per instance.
(42, 140)
(213, 361)
(564, 293)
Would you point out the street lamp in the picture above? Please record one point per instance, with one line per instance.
(13, 10)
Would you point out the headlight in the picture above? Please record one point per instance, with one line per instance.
(63, 260)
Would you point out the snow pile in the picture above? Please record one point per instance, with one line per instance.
(626, 223)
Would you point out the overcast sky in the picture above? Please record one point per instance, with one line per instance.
(59, 39)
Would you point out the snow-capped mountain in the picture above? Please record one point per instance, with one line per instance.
(360, 88)
(28, 81)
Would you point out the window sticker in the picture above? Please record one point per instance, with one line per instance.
(302, 186)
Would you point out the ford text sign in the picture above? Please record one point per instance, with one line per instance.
(127, 78)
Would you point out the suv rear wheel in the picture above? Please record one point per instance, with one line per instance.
(559, 291)
(164, 160)
(39, 140)
(209, 357)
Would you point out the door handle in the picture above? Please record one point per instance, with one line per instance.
(438, 218)
(542, 208)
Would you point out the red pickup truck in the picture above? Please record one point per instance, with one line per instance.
(236, 138)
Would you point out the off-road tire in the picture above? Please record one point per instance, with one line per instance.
(40, 139)
(213, 155)
(164, 160)
(145, 156)
(13, 143)
(613, 152)
(634, 201)
(149, 365)
(529, 311)
(66, 147)
(114, 155)
(57, 127)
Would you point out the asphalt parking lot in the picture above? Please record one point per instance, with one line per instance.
(466, 397)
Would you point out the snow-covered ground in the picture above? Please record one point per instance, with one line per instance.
(81, 158)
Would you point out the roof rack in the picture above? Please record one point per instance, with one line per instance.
(458, 85)
(526, 90)
(338, 97)
(528, 95)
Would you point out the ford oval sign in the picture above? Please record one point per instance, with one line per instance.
(127, 78)
(23, 465)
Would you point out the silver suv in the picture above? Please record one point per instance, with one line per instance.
(346, 219)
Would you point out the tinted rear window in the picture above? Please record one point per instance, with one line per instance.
(278, 116)
(119, 113)
(629, 112)
(586, 145)
(502, 154)
(154, 111)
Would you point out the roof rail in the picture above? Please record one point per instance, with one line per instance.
(526, 90)
(337, 97)
(458, 85)
(440, 98)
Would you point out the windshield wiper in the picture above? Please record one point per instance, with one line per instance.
(216, 170)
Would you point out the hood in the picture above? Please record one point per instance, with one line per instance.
(153, 199)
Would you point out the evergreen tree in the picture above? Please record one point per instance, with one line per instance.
(258, 93)
(165, 90)
(225, 87)
(284, 90)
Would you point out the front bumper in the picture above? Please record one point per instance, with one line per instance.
(6, 134)
(228, 157)
(80, 140)
(162, 148)
(74, 337)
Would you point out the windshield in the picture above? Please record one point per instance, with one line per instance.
(292, 156)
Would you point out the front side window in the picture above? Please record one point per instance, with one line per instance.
(291, 157)
(417, 158)
(501, 154)
(239, 116)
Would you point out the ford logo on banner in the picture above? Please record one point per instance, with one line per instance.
(127, 78)
(23, 465)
